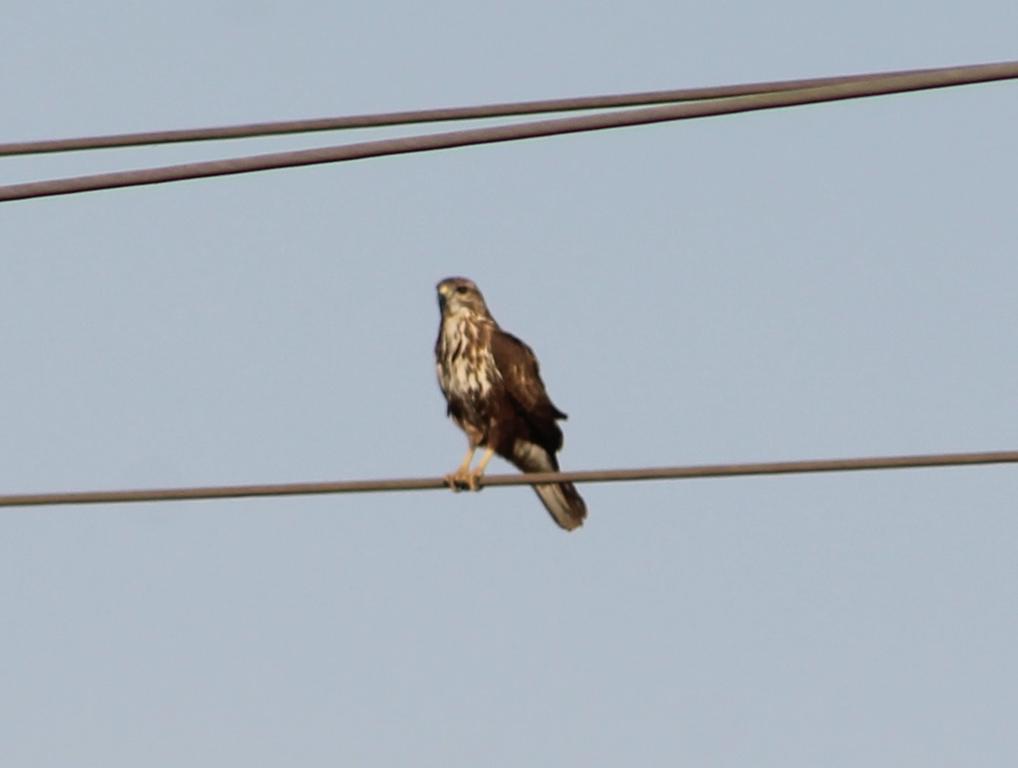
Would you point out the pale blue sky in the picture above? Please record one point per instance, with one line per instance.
(828, 281)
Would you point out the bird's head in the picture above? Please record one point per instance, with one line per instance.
(457, 295)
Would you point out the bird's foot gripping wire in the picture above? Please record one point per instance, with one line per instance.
(465, 478)
(458, 480)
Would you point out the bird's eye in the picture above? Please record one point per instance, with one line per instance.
(461, 289)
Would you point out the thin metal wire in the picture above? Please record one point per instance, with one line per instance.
(589, 476)
(442, 114)
(875, 86)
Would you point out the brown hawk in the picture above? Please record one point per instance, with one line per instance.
(494, 392)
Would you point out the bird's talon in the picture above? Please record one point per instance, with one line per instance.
(458, 481)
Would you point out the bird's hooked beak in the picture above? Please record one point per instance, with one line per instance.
(443, 295)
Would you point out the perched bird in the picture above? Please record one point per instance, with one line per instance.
(494, 392)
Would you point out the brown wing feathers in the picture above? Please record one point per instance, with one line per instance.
(536, 452)
(522, 380)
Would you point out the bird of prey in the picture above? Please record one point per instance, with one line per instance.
(494, 392)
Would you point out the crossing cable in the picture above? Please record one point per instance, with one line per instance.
(442, 114)
(874, 86)
(536, 478)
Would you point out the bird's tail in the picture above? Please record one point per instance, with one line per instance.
(563, 502)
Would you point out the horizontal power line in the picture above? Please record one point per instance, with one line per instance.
(873, 86)
(589, 476)
(442, 114)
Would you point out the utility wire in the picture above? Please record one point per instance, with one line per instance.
(875, 86)
(590, 476)
(442, 114)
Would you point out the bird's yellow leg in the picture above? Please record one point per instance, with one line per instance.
(461, 476)
(473, 479)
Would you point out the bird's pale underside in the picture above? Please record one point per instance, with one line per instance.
(492, 384)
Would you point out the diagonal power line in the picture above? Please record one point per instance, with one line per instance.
(872, 86)
(442, 114)
(589, 476)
